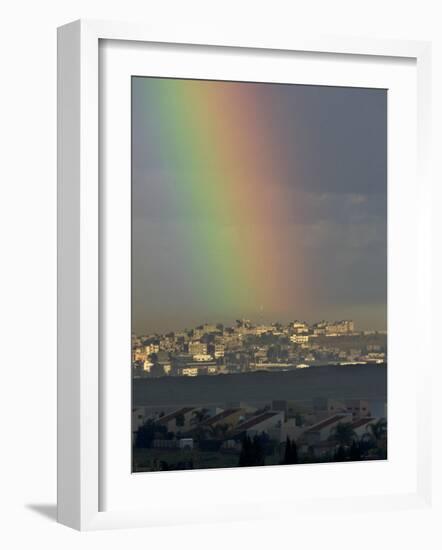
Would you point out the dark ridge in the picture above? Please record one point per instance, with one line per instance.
(338, 382)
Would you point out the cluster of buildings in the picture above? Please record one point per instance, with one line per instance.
(310, 424)
(211, 349)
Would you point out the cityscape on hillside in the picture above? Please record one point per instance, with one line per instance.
(212, 349)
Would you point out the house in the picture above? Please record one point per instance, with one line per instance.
(360, 426)
(358, 407)
(269, 422)
(299, 338)
(138, 418)
(197, 348)
(177, 421)
(324, 429)
(189, 371)
(230, 417)
(291, 430)
(198, 368)
(332, 406)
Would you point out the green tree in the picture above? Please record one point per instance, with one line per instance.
(199, 416)
(149, 431)
(375, 439)
(157, 370)
(219, 431)
(343, 434)
(180, 420)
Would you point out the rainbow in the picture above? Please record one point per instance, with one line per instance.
(227, 186)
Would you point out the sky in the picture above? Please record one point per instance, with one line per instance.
(259, 201)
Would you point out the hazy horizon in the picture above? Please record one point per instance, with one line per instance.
(231, 322)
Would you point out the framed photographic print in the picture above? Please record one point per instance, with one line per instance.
(252, 201)
(239, 224)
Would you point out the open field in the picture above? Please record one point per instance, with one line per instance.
(339, 382)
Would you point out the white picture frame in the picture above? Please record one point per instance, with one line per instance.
(80, 396)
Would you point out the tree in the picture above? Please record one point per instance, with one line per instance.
(299, 419)
(340, 454)
(273, 353)
(245, 457)
(252, 453)
(157, 370)
(200, 416)
(343, 434)
(355, 451)
(290, 453)
(378, 430)
(180, 420)
(218, 431)
(198, 419)
(149, 431)
(375, 439)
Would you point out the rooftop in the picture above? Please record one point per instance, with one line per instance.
(256, 420)
(325, 423)
(221, 416)
(362, 422)
(171, 416)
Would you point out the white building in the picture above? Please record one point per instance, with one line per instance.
(197, 348)
(152, 348)
(147, 365)
(299, 338)
(202, 357)
(339, 328)
(189, 371)
(299, 327)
